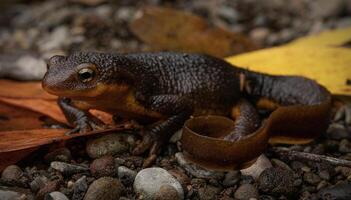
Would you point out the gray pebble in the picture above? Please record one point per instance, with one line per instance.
(345, 146)
(149, 181)
(258, 167)
(56, 196)
(79, 188)
(276, 181)
(104, 188)
(196, 170)
(13, 175)
(109, 145)
(126, 175)
(245, 192)
(67, 169)
(231, 178)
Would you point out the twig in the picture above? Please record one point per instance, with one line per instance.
(296, 155)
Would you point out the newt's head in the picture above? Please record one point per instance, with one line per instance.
(83, 75)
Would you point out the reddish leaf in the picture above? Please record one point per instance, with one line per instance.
(16, 89)
(169, 29)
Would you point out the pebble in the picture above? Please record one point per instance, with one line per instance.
(61, 154)
(13, 175)
(326, 8)
(324, 174)
(104, 188)
(276, 181)
(311, 178)
(259, 34)
(208, 192)
(58, 39)
(280, 164)
(67, 169)
(231, 178)
(149, 181)
(8, 194)
(196, 170)
(38, 183)
(167, 192)
(22, 66)
(181, 177)
(51, 186)
(345, 146)
(104, 166)
(340, 192)
(56, 196)
(79, 188)
(126, 175)
(337, 131)
(258, 167)
(246, 192)
(111, 144)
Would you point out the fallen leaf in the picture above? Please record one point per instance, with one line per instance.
(46, 107)
(169, 29)
(17, 89)
(334, 38)
(16, 118)
(328, 65)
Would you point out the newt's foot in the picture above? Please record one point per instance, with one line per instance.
(153, 144)
(86, 124)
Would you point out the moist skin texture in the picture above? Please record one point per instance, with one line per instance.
(164, 89)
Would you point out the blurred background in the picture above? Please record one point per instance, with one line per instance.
(40, 29)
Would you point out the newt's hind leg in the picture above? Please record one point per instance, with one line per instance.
(246, 120)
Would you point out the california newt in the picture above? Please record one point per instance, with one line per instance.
(165, 89)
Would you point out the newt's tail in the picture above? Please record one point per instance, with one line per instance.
(304, 105)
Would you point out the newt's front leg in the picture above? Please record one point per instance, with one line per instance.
(81, 120)
(178, 109)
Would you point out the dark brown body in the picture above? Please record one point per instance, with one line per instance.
(169, 88)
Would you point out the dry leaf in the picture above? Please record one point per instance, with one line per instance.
(329, 65)
(169, 29)
(17, 89)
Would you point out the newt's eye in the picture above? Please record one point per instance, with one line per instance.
(86, 74)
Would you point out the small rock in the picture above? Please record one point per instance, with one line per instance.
(209, 192)
(259, 34)
(67, 169)
(56, 196)
(311, 178)
(16, 194)
(13, 175)
(167, 192)
(257, 168)
(326, 8)
(104, 166)
(126, 175)
(149, 181)
(51, 186)
(337, 132)
(324, 174)
(105, 188)
(231, 178)
(181, 177)
(280, 164)
(111, 144)
(79, 188)
(322, 184)
(176, 137)
(246, 192)
(38, 182)
(59, 38)
(22, 66)
(345, 146)
(196, 170)
(61, 154)
(345, 171)
(340, 192)
(276, 181)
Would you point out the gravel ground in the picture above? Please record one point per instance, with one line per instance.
(103, 168)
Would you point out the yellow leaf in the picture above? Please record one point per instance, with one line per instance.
(329, 65)
(328, 38)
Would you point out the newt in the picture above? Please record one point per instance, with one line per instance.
(165, 89)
